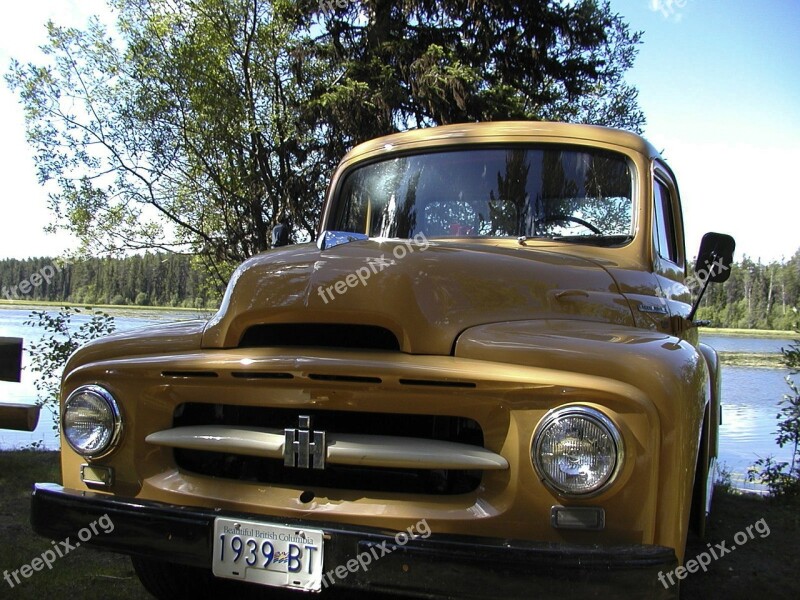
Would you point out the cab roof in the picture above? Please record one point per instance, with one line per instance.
(501, 132)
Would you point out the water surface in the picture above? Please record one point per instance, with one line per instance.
(12, 324)
(737, 343)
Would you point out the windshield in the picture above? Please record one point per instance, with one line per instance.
(561, 192)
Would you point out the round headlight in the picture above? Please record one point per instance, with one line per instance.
(577, 450)
(91, 421)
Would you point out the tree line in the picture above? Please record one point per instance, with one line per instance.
(149, 279)
(756, 296)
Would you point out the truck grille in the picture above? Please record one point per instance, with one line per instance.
(458, 430)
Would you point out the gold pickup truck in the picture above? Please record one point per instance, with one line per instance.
(483, 380)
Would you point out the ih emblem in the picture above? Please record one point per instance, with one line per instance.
(304, 448)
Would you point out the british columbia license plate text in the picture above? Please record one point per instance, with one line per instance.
(267, 554)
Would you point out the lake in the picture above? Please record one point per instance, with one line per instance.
(750, 399)
(738, 343)
(11, 325)
(749, 395)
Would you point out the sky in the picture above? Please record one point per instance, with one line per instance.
(719, 83)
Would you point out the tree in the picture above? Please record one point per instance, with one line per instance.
(417, 63)
(197, 126)
(177, 132)
(756, 296)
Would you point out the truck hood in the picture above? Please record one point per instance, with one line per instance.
(426, 294)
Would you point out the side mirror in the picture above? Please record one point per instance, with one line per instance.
(714, 261)
(715, 257)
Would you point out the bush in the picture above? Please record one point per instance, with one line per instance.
(59, 340)
(141, 299)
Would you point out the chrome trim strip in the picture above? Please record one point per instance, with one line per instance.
(343, 449)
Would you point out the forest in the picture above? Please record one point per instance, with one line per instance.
(149, 279)
(756, 296)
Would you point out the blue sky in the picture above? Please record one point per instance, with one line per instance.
(719, 83)
(720, 86)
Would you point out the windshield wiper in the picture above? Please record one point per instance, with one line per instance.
(595, 240)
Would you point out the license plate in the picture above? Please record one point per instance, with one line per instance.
(266, 554)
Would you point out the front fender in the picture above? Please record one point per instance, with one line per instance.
(670, 372)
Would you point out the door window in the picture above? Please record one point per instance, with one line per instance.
(664, 226)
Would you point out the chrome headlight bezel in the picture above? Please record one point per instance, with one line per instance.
(110, 421)
(558, 418)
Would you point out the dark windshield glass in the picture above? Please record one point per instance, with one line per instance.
(553, 191)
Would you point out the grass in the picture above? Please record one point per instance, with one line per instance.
(767, 360)
(763, 567)
(83, 573)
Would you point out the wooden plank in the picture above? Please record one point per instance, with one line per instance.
(22, 417)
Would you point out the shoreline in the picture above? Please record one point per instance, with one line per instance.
(22, 304)
(758, 360)
(17, 304)
(759, 333)
(112, 309)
